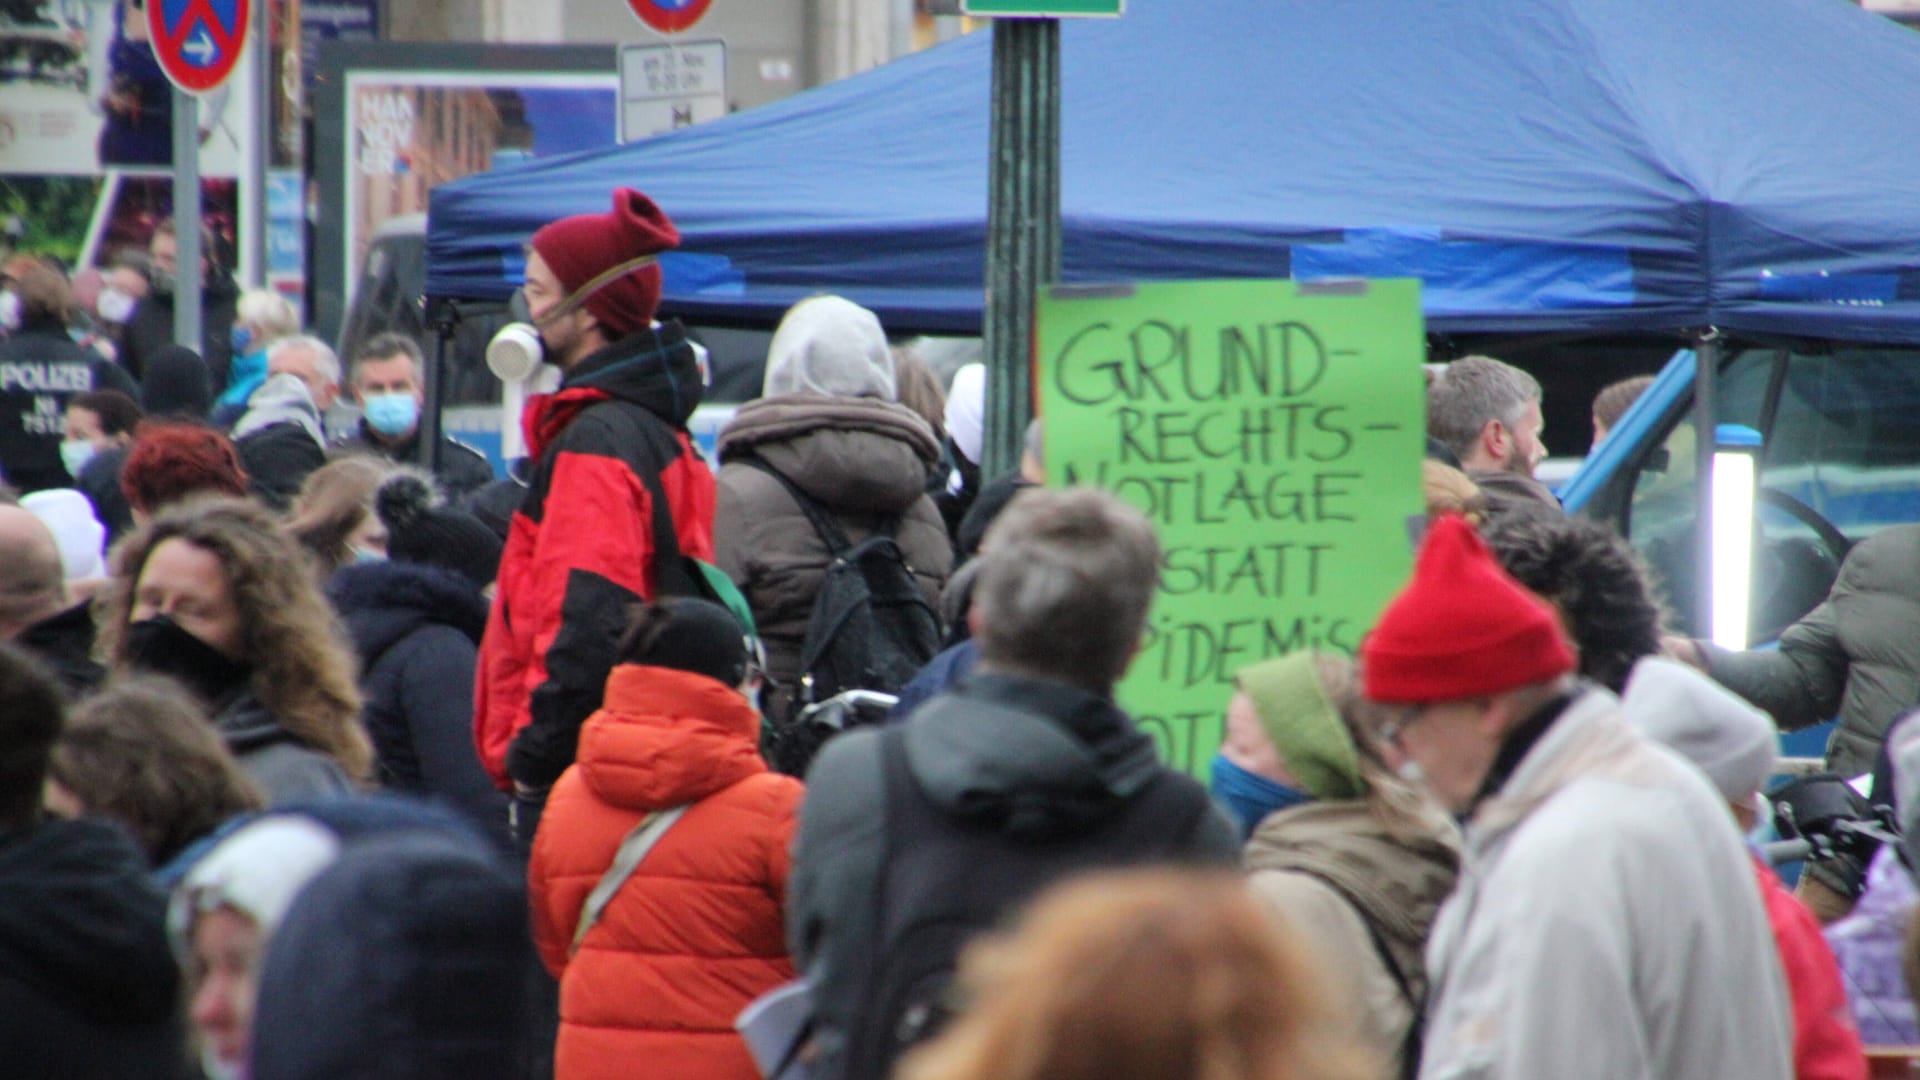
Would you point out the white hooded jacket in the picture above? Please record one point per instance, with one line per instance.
(1606, 925)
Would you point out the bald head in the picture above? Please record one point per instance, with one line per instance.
(32, 582)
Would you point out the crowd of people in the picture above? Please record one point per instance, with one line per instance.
(316, 764)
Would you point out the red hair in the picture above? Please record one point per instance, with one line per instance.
(173, 461)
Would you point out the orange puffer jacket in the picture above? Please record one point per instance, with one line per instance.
(696, 933)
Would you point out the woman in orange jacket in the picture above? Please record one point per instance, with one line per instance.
(695, 932)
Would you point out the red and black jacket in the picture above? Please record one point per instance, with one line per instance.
(580, 551)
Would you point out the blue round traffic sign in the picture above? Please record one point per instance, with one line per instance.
(669, 16)
(197, 42)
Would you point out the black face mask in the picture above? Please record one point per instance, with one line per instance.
(160, 646)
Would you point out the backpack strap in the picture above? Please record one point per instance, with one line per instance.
(1416, 1003)
(823, 523)
(639, 841)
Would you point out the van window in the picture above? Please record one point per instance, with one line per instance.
(1840, 460)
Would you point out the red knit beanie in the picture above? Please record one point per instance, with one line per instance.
(1462, 628)
(582, 247)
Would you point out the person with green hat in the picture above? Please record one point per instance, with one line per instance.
(1339, 847)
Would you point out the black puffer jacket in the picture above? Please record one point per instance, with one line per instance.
(417, 629)
(407, 959)
(88, 987)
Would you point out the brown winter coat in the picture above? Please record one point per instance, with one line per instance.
(864, 460)
(1334, 874)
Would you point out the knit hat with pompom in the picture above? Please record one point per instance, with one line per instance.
(419, 530)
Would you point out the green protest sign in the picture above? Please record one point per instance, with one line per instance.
(1273, 432)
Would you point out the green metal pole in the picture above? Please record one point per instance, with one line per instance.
(1023, 222)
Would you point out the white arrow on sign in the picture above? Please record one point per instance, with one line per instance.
(200, 47)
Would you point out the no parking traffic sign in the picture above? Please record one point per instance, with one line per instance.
(197, 41)
(669, 16)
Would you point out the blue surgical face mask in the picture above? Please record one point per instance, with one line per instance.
(392, 414)
(363, 556)
(1250, 797)
(241, 338)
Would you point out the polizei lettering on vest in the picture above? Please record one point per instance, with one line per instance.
(40, 377)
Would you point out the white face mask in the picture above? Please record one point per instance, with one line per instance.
(217, 1068)
(114, 306)
(9, 309)
(74, 454)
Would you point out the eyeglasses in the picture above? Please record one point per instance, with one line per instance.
(1396, 724)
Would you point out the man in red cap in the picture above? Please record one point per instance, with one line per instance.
(1607, 922)
(616, 482)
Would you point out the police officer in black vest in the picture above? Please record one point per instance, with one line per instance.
(41, 369)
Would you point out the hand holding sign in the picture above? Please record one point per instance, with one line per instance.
(1273, 433)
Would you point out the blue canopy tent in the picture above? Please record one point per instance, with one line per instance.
(1544, 165)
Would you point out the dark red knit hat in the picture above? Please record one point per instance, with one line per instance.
(1462, 628)
(582, 247)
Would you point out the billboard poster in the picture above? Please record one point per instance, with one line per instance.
(414, 131)
(81, 94)
(84, 221)
(390, 125)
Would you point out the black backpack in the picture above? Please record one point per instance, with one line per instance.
(871, 628)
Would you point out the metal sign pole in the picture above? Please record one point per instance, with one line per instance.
(1023, 223)
(262, 156)
(186, 220)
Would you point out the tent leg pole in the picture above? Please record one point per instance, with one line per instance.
(445, 317)
(1023, 223)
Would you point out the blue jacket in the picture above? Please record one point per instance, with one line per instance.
(417, 629)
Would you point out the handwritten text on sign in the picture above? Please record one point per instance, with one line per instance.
(1273, 434)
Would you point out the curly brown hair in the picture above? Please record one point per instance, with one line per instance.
(304, 669)
(142, 753)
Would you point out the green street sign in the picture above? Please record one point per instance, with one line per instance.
(1041, 9)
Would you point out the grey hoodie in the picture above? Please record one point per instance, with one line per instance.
(281, 399)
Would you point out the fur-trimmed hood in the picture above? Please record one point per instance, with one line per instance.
(383, 602)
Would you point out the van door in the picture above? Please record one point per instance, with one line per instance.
(1840, 460)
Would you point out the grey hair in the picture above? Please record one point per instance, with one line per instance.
(326, 363)
(388, 346)
(1066, 580)
(272, 313)
(1472, 391)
